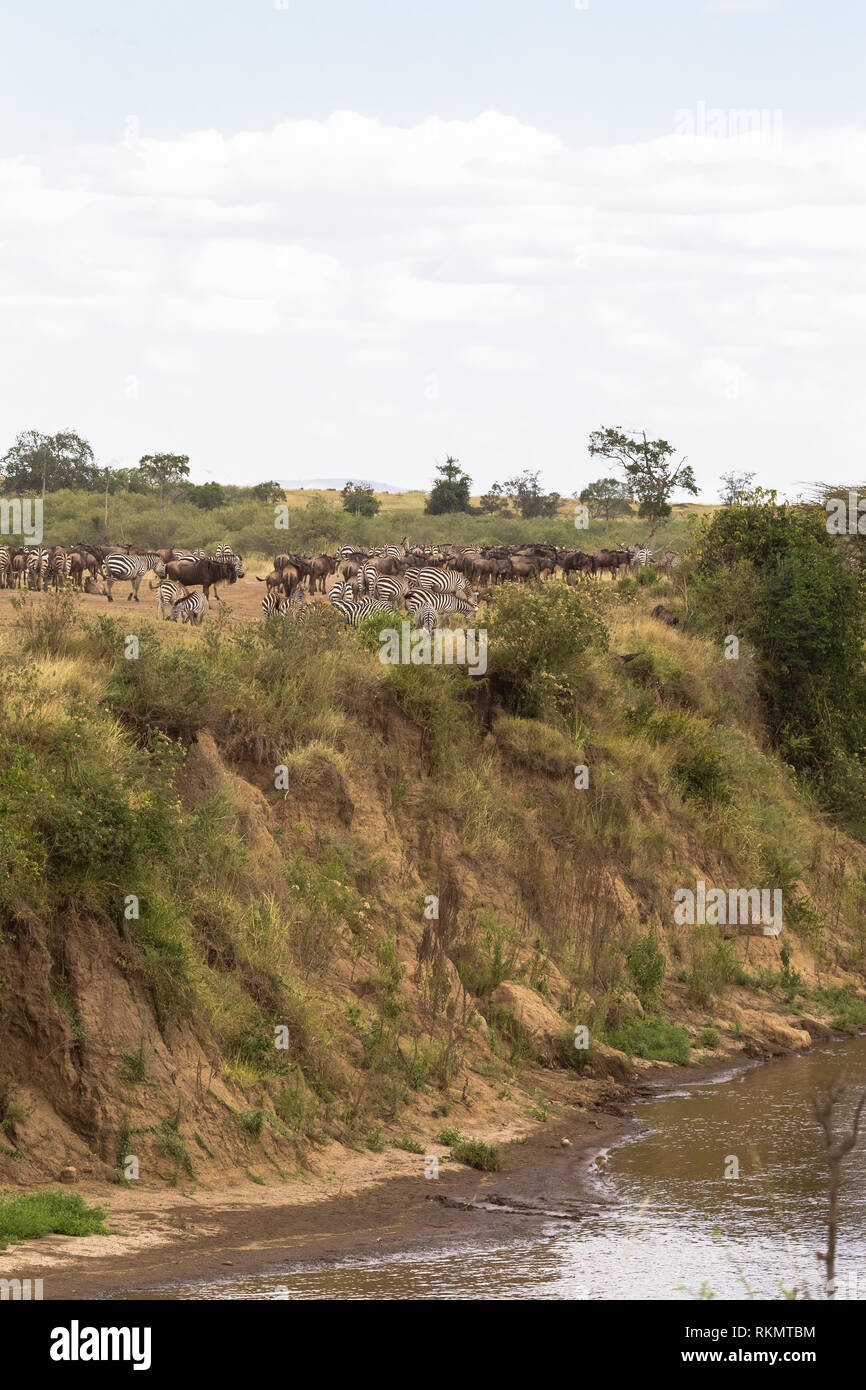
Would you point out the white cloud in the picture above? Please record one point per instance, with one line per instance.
(659, 280)
(488, 358)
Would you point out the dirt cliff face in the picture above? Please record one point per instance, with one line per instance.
(404, 880)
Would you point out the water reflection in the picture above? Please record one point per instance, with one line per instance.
(682, 1229)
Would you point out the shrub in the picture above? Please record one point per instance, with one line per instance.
(476, 1154)
(646, 965)
(651, 1037)
(448, 1137)
(538, 637)
(48, 1213)
(700, 772)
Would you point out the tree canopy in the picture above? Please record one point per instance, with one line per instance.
(360, 499)
(648, 465)
(607, 497)
(451, 490)
(39, 462)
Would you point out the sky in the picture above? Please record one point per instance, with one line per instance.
(305, 238)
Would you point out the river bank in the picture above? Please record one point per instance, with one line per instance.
(354, 1206)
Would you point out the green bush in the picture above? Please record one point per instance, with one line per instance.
(48, 1213)
(646, 966)
(476, 1154)
(772, 574)
(699, 772)
(651, 1037)
(538, 637)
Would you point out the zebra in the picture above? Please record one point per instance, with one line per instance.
(168, 593)
(36, 568)
(355, 612)
(58, 566)
(368, 578)
(436, 580)
(131, 569)
(640, 557)
(191, 555)
(341, 590)
(391, 589)
(228, 556)
(192, 609)
(275, 602)
(427, 608)
(5, 567)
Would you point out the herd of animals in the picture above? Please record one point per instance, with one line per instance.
(429, 582)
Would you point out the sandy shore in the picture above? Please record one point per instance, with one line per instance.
(349, 1205)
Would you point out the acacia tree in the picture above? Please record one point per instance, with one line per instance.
(360, 499)
(648, 465)
(494, 502)
(735, 487)
(450, 492)
(160, 469)
(607, 497)
(49, 462)
(529, 497)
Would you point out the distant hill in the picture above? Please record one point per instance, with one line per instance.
(339, 483)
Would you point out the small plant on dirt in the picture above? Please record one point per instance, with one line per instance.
(448, 1137)
(646, 966)
(791, 980)
(374, 1141)
(251, 1121)
(170, 1144)
(708, 1040)
(541, 1109)
(409, 1145)
(134, 1069)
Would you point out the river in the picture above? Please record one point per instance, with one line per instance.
(679, 1227)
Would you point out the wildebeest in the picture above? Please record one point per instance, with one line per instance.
(665, 615)
(204, 573)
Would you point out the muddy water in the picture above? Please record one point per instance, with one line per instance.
(679, 1227)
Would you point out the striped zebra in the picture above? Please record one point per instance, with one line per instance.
(275, 602)
(225, 555)
(640, 557)
(192, 609)
(427, 608)
(5, 567)
(355, 612)
(392, 589)
(368, 578)
(36, 568)
(58, 565)
(168, 593)
(131, 569)
(341, 590)
(437, 581)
